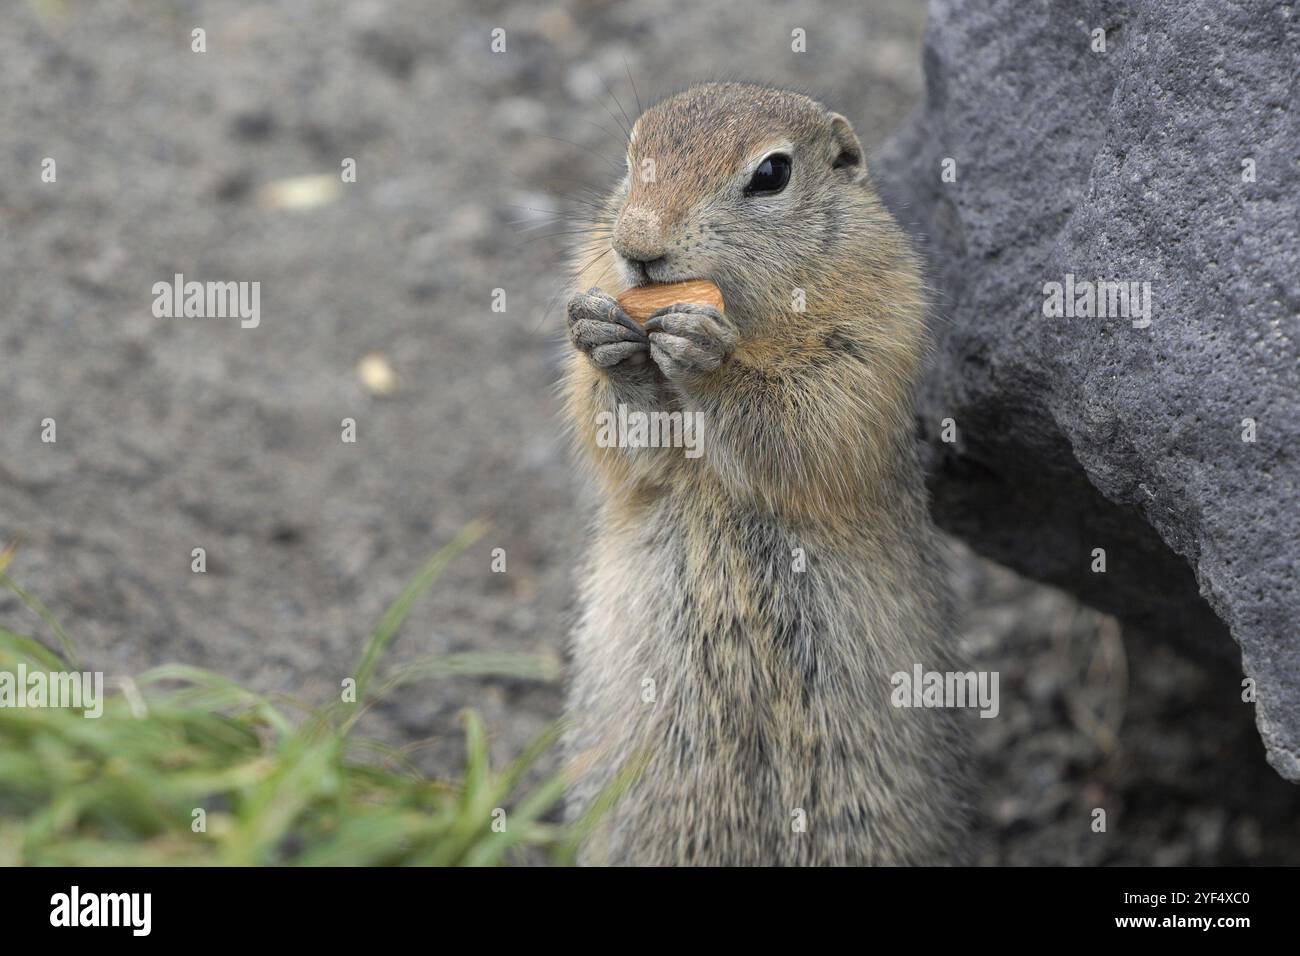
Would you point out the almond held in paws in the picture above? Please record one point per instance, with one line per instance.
(644, 301)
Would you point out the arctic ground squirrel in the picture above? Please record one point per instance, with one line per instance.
(743, 609)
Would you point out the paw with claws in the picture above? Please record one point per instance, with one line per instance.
(600, 329)
(688, 339)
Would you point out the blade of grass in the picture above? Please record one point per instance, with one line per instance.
(41, 611)
(16, 645)
(604, 801)
(492, 848)
(392, 620)
(224, 692)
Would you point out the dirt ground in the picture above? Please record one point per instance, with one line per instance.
(175, 433)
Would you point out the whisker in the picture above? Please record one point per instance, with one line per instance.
(563, 235)
(565, 283)
(604, 157)
(611, 92)
(627, 133)
(600, 126)
(592, 261)
(628, 69)
(532, 222)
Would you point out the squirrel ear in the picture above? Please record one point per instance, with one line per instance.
(848, 150)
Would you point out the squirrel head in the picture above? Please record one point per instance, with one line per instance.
(761, 191)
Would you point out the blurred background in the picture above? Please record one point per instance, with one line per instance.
(376, 305)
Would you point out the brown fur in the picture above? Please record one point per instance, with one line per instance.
(772, 686)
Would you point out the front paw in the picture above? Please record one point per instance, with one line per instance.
(599, 328)
(688, 339)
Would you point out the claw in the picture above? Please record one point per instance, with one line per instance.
(611, 311)
(599, 327)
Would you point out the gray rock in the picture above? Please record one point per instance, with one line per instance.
(1077, 433)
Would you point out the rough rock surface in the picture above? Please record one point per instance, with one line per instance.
(1077, 433)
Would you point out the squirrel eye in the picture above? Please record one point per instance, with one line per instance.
(771, 176)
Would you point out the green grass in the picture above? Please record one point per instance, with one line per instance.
(279, 782)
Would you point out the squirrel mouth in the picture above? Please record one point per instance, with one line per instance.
(646, 279)
(639, 273)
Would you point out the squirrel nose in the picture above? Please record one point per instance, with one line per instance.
(638, 235)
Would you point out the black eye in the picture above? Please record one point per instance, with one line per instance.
(771, 176)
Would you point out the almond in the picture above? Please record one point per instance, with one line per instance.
(644, 301)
